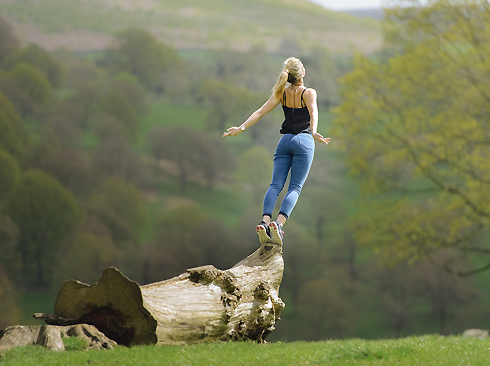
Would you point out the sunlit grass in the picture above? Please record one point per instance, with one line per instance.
(425, 350)
(166, 114)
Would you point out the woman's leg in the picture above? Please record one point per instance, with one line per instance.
(282, 164)
(304, 149)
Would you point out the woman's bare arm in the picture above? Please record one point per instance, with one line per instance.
(311, 103)
(254, 117)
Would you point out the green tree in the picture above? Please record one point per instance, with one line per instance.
(254, 172)
(39, 59)
(115, 103)
(9, 310)
(8, 41)
(131, 87)
(416, 132)
(214, 158)
(9, 240)
(86, 257)
(138, 52)
(9, 174)
(230, 105)
(120, 207)
(114, 158)
(70, 167)
(13, 134)
(186, 238)
(32, 82)
(177, 145)
(44, 212)
(322, 75)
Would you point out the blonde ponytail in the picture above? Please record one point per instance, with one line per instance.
(292, 71)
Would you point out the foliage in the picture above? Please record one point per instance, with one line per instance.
(69, 166)
(416, 133)
(230, 105)
(44, 212)
(322, 75)
(9, 311)
(116, 104)
(8, 41)
(13, 135)
(9, 174)
(90, 251)
(139, 53)
(426, 350)
(32, 82)
(10, 258)
(186, 238)
(254, 171)
(36, 57)
(214, 158)
(119, 205)
(179, 146)
(115, 158)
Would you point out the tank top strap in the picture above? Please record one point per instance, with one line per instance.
(284, 98)
(303, 104)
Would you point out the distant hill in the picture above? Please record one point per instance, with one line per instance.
(377, 14)
(279, 26)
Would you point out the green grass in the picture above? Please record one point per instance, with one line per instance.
(425, 350)
(74, 344)
(167, 115)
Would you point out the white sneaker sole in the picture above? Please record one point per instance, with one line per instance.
(275, 236)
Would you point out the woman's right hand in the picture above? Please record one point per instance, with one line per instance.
(318, 137)
(232, 131)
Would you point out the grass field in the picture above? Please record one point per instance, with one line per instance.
(425, 350)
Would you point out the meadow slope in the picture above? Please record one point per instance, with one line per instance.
(278, 26)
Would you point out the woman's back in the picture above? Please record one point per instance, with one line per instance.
(296, 114)
(294, 97)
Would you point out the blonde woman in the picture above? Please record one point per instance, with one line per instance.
(296, 147)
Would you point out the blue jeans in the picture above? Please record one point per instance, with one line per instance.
(295, 153)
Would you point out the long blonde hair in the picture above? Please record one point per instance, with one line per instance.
(291, 72)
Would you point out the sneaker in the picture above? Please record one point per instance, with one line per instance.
(276, 232)
(264, 232)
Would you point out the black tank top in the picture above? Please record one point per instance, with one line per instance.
(296, 120)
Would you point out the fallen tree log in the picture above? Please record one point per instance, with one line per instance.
(203, 304)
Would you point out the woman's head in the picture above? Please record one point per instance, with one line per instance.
(292, 72)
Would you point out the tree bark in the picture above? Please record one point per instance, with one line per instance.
(203, 304)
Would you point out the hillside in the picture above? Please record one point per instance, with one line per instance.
(378, 14)
(279, 26)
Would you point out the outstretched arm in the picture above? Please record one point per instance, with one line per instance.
(311, 103)
(254, 117)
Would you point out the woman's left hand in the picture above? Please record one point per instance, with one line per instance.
(318, 137)
(232, 131)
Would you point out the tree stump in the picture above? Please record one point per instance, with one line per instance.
(51, 336)
(203, 304)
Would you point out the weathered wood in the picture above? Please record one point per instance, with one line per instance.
(203, 304)
(51, 336)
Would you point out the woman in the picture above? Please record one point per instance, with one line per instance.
(296, 147)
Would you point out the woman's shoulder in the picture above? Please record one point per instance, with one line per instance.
(309, 93)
